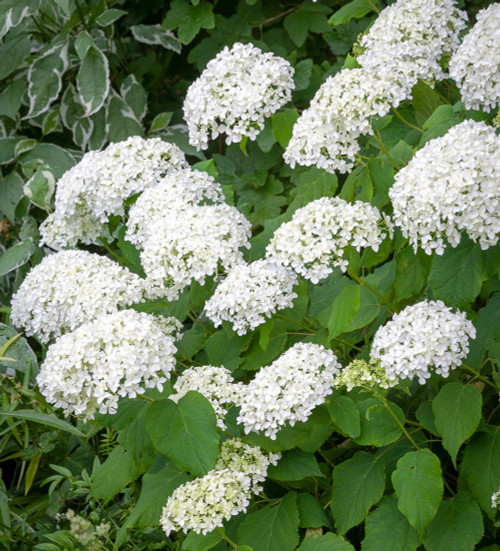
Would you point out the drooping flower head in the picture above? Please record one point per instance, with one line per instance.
(313, 242)
(451, 186)
(423, 338)
(116, 355)
(287, 390)
(236, 92)
(250, 293)
(70, 288)
(95, 189)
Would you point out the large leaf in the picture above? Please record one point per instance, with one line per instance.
(357, 484)
(117, 472)
(295, 465)
(189, 19)
(354, 9)
(92, 80)
(121, 122)
(344, 308)
(378, 425)
(185, 432)
(345, 415)
(283, 122)
(418, 484)
(12, 53)
(11, 99)
(457, 412)
(387, 524)
(155, 35)
(458, 525)
(311, 514)
(134, 96)
(18, 350)
(327, 542)
(273, 528)
(488, 331)
(12, 13)
(16, 256)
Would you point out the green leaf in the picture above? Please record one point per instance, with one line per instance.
(343, 310)
(135, 439)
(18, 350)
(418, 484)
(327, 542)
(185, 432)
(311, 514)
(109, 16)
(43, 419)
(378, 426)
(45, 78)
(357, 484)
(12, 54)
(11, 192)
(313, 184)
(121, 121)
(457, 412)
(410, 275)
(10, 99)
(283, 122)
(273, 528)
(188, 20)
(353, 10)
(369, 309)
(117, 472)
(480, 467)
(155, 35)
(295, 465)
(387, 524)
(16, 256)
(92, 80)
(224, 349)
(456, 276)
(83, 42)
(458, 525)
(12, 13)
(425, 100)
(134, 96)
(57, 159)
(192, 341)
(200, 542)
(488, 331)
(303, 72)
(160, 122)
(345, 415)
(441, 114)
(40, 188)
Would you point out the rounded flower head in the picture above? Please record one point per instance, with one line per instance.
(326, 134)
(475, 65)
(313, 242)
(289, 389)
(425, 337)
(191, 244)
(365, 374)
(238, 89)
(70, 288)
(94, 189)
(92, 367)
(410, 38)
(215, 383)
(451, 186)
(250, 293)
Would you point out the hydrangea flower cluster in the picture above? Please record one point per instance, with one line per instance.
(215, 383)
(427, 336)
(313, 242)
(70, 288)
(326, 134)
(450, 186)
(204, 503)
(475, 65)
(89, 369)
(410, 38)
(287, 390)
(250, 293)
(94, 189)
(236, 92)
(366, 374)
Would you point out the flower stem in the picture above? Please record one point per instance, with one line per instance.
(224, 537)
(401, 118)
(373, 6)
(363, 283)
(378, 139)
(398, 421)
(147, 398)
(477, 375)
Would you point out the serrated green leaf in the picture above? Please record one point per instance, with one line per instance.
(224, 349)
(311, 514)
(456, 276)
(12, 54)
(295, 465)
(352, 10)
(16, 256)
(283, 122)
(155, 35)
(188, 20)
(386, 524)
(378, 425)
(273, 528)
(345, 415)
(200, 542)
(117, 472)
(488, 331)
(43, 419)
(185, 432)
(313, 184)
(458, 525)
(418, 483)
(357, 484)
(326, 542)
(425, 417)
(343, 310)
(457, 412)
(109, 16)
(481, 467)
(92, 80)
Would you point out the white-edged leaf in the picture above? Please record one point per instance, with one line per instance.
(45, 78)
(121, 121)
(12, 12)
(83, 41)
(154, 34)
(134, 96)
(72, 112)
(110, 16)
(92, 80)
(40, 188)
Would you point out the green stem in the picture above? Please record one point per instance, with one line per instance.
(384, 150)
(371, 289)
(401, 118)
(477, 375)
(224, 537)
(147, 398)
(396, 418)
(373, 6)
(82, 18)
(271, 19)
(119, 259)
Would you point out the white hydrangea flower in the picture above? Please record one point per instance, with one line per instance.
(450, 186)
(249, 460)
(410, 38)
(313, 241)
(92, 367)
(495, 500)
(250, 293)
(191, 244)
(236, 92)
(288, 389)
(70, 288)
(475, 65)
(366, 374)
(176, 191)
(94, 189)
(205, 503)
(215, 383)
(326, 134)
(425, 337)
